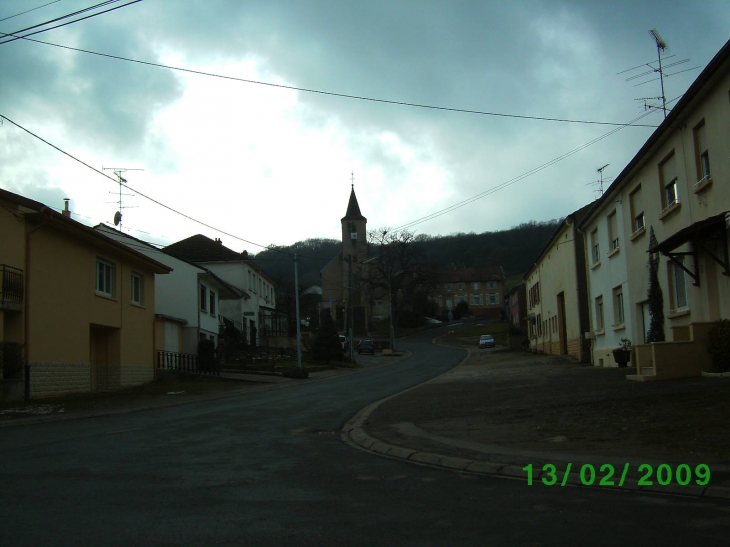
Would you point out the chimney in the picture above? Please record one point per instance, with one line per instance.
(218, 241)
(66, 212)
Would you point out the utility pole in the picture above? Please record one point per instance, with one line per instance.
(351, 318)
(296, 299)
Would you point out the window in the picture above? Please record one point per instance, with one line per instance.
(595, 248)
(491, 284)
(447, 286)
(104, 278)
(493, 298)
(460, 298)
(702, 154)
(678, 286)
(476, 285)
(599, 313)
(618, 306)
(613, 231)
(203, 298)
(137, 289)
(539, 325)
(668, 178)
(250, 285)
(460, 286)
(212, 302)
(637, 210)
(476, 299)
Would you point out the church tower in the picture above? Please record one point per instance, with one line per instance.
(354, 230)
(343, 289)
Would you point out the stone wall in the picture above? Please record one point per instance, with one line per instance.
(54, 379)
(135, 375)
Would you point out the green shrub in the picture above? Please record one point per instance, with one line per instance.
(718, 346)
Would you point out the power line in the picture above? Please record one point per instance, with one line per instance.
(140, 193)
(321, 92)
(28, 11)
(517, 178)
(107, 2)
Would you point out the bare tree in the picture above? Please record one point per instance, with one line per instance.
(397, 268)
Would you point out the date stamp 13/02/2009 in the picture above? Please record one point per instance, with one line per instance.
(606, 475)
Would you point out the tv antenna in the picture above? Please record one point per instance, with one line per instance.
(661, 47)
(122, 181)
(600, 180)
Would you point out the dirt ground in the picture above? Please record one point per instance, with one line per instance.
(542, 403)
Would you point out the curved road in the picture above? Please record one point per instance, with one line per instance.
(269, 468)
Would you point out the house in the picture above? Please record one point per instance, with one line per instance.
(676, 187)
(343, 290)
(188, 301)
(482, 288)
(79, 303)
(257, 314)
(516, 301)
(556, 287)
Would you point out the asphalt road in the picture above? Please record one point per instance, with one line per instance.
(269, 468)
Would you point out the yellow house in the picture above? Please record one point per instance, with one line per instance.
(80, 303)
(557, 309)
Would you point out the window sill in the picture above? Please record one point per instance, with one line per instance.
(619, 326)
(637, 234)
(678, 313)
(670, 210)
(596, 265)
(614, 252)
(702, 185)
(600, 332)
(105, 296)
(137, 305)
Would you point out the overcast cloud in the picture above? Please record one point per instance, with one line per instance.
(272, 165)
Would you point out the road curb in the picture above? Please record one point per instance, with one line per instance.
(353, 433)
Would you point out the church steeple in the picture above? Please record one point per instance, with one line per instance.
(353, 209)
(354, 226)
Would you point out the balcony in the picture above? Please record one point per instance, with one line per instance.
(11, 288)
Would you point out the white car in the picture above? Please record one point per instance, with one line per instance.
(486, 341)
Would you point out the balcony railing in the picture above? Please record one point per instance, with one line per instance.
(11, 288)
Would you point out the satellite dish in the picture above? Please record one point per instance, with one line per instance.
(117, 218)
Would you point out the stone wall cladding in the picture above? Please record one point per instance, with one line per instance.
(55, 379)
(574, 347)
(135, 375)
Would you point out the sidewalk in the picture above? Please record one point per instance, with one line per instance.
(501, 411)
(164, 394)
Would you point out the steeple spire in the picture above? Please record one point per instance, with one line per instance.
(353, 209)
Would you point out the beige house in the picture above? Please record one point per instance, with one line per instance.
(482, 288)
(677, 185)
(81, 304)
(557, 309)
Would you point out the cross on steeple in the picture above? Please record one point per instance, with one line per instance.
(352, 179)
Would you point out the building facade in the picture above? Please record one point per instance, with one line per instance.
(556, 288)
(482, 288)
(81, 306)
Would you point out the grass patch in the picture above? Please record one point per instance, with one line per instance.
(498, 329)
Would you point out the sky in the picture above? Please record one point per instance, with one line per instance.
(258, 165)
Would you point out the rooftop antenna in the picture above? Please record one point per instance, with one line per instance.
(600, 180)
(661, 47)
(118, 172)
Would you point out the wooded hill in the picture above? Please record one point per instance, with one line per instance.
(515, 250)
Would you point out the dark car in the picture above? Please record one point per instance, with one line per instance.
(366, 346)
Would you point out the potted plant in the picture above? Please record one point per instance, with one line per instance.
(622, 354)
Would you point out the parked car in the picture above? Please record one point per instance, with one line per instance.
(366, 346)
(486, 341)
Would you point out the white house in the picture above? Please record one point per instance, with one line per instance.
(257, 313)
(677, 186)
(189, 302)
